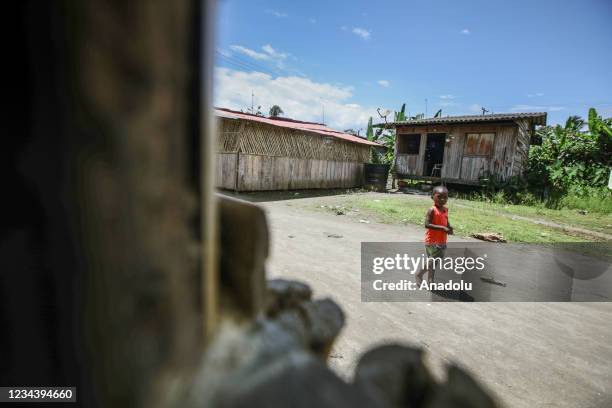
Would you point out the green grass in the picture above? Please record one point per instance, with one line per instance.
(478, 217)
(594, 203)
(594, 221)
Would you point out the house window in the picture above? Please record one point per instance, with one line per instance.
(408, 144)
(479, 144)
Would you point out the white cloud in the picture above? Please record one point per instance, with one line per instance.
(447, 103)
(536, 108)
(361, 32)
(475, 108)
(465, 31)
(270, 54)
(344, 28)
(250, 53)
(533, 95)
(278, 14)
(223, 52)
(300, 98)
(384, 83)
(447, 96)
(273, 53)
(312, 20)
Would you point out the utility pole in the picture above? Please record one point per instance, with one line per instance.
(252, 96)
(425, 107)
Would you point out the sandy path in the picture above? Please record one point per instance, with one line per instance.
(527, 354)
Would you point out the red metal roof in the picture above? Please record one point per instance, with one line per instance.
(294, 124)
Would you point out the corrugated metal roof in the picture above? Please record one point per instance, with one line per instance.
(294, 124)
(538, 117)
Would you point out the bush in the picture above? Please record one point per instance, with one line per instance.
(569, 169)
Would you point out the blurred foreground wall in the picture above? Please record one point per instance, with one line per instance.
(103, 236)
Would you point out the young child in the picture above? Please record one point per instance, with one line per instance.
(438, 227)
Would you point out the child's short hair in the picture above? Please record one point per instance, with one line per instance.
(439, 190)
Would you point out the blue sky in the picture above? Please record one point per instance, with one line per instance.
(349, 58)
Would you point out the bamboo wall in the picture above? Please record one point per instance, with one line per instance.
(257, 157)
(508, 154)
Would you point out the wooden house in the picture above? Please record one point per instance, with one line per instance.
(255, 153)
(464, 149)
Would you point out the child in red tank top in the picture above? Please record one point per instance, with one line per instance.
(438, 227)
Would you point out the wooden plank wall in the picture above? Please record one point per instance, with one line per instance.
(503, 151)
(469, 168)
(261, 173)
(521, 149)
(406, 163)
(473, 167)
(226, 170)
(453, 154)
(421, 159)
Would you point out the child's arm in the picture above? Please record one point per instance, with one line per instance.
(428, 223)
(450, 230)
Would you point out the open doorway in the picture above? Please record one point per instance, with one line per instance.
(434, 154)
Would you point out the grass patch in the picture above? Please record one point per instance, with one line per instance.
(594, 221)
(468, 217)
(598, 203)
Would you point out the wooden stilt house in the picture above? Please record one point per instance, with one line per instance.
(464, 149)
(255, 153)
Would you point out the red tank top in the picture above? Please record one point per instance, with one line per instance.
(435, 236)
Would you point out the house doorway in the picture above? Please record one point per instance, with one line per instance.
(434, 154)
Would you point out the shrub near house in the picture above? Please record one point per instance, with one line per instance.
(570, 168)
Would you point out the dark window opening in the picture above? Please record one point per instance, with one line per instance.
(408, 144)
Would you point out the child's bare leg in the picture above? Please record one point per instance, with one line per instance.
(419, 276)
(430, 277)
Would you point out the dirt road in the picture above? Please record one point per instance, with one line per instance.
(527, 354)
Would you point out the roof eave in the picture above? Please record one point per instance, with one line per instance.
(538, 118)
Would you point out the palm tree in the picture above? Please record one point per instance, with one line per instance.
(275, 111)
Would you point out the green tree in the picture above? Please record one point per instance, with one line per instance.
(570, 160)
(370, 131)
(275, 111)
(386, 138)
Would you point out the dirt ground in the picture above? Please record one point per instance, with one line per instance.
(526, 354)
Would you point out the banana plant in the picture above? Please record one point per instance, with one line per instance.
(386, 139)
(401, 115)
